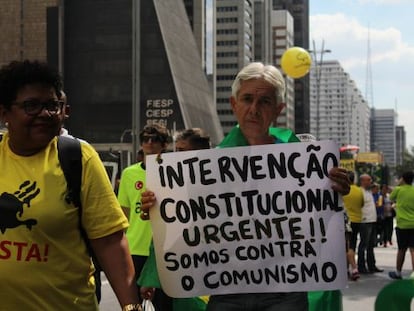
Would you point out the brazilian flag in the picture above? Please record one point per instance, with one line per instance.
(149, 278)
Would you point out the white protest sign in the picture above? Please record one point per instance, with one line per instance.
(248, 219)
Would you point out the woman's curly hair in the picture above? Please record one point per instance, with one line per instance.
(17, 74)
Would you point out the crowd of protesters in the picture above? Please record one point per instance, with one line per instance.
(33, 108)
(372, 211)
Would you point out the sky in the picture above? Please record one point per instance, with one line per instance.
(345, 25)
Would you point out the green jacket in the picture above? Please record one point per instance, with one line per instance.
(235, 137)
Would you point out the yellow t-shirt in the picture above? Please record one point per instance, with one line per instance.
(44, 264)
(353, 202)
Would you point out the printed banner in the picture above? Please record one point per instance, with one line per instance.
(248, 219)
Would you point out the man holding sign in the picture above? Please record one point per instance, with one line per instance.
(257, 100)
(220, 230)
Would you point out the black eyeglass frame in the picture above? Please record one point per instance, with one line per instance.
(53, 107)
(154, 138)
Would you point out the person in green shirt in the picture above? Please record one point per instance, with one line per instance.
(186, 140)
(154, 140)
(257, 100)
(403, 195)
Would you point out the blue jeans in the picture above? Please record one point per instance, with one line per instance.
(367, 233)
(259, 301)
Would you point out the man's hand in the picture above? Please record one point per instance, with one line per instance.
(147, 202)
(341, 182)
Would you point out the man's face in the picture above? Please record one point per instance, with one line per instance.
(365, 182)
(255, 108)
(152, 144)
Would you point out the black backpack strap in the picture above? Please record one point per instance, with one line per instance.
(70, 158)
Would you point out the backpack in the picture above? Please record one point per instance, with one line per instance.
(70, 158)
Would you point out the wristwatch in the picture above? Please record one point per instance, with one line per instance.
(132, 307)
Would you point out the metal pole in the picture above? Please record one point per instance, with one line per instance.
(135, 75)
(315, 57)
(350, 120)
(61, 31)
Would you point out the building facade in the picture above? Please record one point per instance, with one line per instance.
(234, 50)
(262, 12)
(97, 69)
(343, 113)
(188, 84)
(281, 34)
(128, 64)
(23, 32)
(128, 77)
(196, 12)
(383, 134)
(359, 118)
(400, 144)
(273, 35)
(299, 9)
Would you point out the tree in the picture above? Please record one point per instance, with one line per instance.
(407, 163)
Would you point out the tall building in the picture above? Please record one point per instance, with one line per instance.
(23, 32)
(383, 134)
(234, 50)
(400, 144)
(128, 77)
(101, 56)
(196, 12)
(273, 35)
(281, 34)
(201, 16)
(359, 118)
(262, 11)
(343, 113)
(97, 68)
(299, 9)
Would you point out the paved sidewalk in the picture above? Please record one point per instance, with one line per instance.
(360, 295)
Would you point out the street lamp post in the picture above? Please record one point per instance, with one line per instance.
(318, 73)
(136, 61)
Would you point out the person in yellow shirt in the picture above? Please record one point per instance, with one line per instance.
(353, 202)
(45, 264)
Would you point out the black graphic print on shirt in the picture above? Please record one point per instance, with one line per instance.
(12, 206)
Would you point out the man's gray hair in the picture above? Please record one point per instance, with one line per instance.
(258, 70)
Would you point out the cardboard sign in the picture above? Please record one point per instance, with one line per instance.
(248, 219)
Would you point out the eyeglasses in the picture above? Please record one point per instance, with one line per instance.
(153, 138)
(33, 107)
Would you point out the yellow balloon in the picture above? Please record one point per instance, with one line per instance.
(296, 62)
